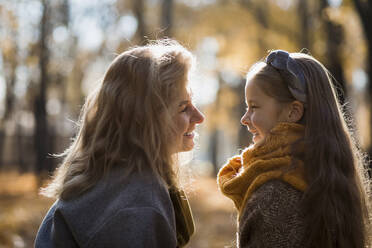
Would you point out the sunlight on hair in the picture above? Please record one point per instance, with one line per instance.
(254, 70)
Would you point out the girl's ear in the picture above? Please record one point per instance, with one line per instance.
(296, 111)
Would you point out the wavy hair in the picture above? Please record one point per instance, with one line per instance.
(127, 120)
(336, 203)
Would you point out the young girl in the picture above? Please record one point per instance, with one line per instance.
(302, 183)
(117, 185)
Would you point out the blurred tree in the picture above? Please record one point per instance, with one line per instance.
(9, 51)
(214, 140)
(166, 17)
(139, 10)
(334, 40)
(260, 11)
(305, 21)
(41, 132)
(364, 10)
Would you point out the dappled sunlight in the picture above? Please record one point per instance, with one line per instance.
(13, 183)
(21, 209)
(214, 215)
(54, 53)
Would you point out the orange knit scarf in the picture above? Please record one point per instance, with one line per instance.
(275, 159)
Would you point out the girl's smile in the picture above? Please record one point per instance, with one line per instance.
(263, 112)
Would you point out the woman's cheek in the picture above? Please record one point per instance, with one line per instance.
(182, 122)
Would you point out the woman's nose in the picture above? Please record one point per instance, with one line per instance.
(198, 116)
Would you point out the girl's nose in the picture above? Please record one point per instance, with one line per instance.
(198, 116)
(245, 119)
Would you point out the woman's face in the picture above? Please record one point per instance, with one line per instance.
(187, 116)
(263, 112)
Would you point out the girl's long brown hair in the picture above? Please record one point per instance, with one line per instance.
(336, 203)
(127, 121)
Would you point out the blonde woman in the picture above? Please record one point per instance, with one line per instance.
(117, 185)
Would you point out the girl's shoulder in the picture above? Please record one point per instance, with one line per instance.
(272, 216)
(275, 197)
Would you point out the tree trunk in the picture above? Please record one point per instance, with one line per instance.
(303, 13)
(139, 10)
(41, 134)
(19, 149)
(335, 39)
(364, 10)
(10, 61)
(166, 17)
(9, 106)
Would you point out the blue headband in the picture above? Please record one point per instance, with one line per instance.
(290, 71)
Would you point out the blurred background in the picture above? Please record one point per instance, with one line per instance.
(52, 52)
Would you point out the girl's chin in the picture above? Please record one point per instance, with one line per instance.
(258, 140)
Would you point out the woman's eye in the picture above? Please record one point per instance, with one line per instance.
(185, 109)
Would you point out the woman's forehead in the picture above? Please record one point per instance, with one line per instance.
(186, 93)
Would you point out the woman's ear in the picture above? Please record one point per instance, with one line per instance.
(295, 111)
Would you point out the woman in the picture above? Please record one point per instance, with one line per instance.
(117, 185)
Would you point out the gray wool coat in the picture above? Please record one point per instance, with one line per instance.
(133, 212)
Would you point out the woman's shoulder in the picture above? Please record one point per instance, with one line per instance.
(118, 191)
(114, 198)
(137, 189)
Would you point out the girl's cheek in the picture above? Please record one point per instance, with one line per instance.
(255, 120)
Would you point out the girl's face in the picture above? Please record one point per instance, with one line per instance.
(187, 116)
(263, 112)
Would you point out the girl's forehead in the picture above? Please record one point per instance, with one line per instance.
(252, 86)
(253, 92)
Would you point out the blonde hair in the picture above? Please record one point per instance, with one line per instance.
(337, 200)
(127, 120)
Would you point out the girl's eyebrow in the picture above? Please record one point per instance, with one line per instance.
(183, 103)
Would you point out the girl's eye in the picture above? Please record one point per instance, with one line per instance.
(251, 107)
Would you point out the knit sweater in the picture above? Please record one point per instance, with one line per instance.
(272, 218)
(266, 184)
